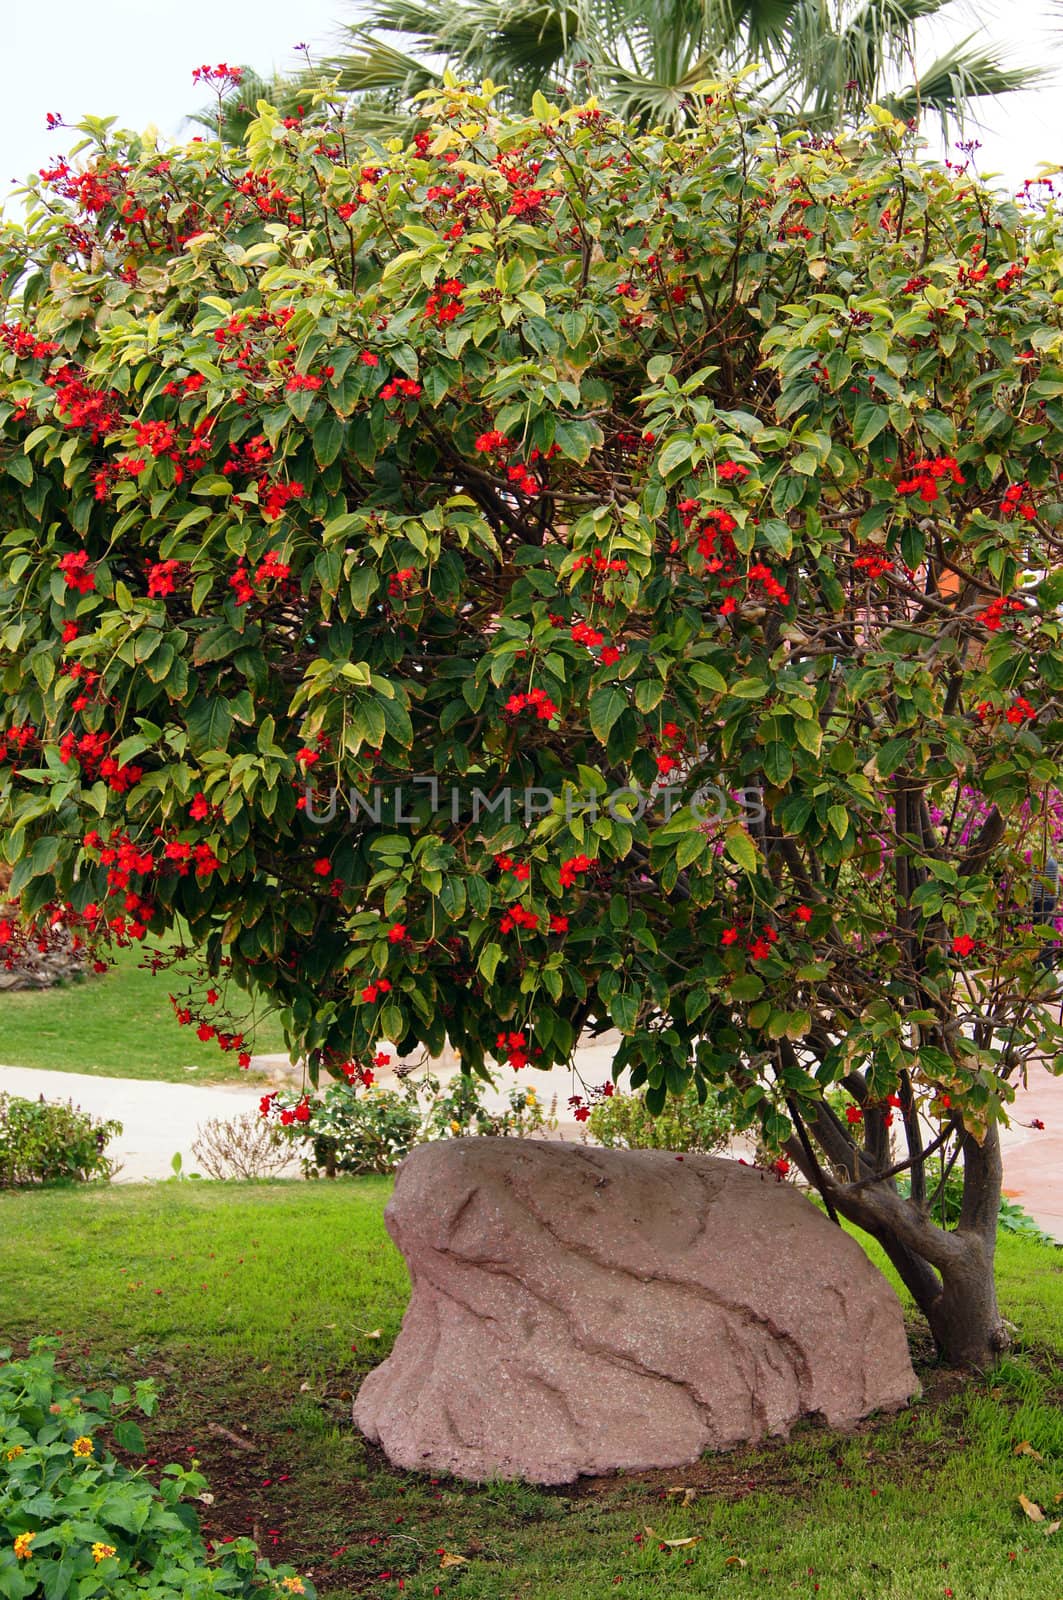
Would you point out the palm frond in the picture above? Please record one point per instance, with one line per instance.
(966, 72)
(374, 65)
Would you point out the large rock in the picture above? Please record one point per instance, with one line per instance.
(576, 1310)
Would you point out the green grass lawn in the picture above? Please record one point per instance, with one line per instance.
(120, 1025)
(261, 1307)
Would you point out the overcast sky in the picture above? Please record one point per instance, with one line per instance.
(134, 59)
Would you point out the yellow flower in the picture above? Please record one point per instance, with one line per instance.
(293, 1585)
(455, 1127)
(530, 1096)
(100, 1552)
(22, 1546)
(82, 1446)
(15, 1451)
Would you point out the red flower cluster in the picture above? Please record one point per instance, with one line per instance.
(759, 948)
(963, 944)
(270, 570)
(81, 406)
(993, 615)
(16, 740)
(25, 345)
(372, 991)
(1015, 502)
(77, 573)
(519, 917)
(574, 868)
(162, 578)
(514, 1046)
(493, 443)
(873, 562)
(761, 573)
(520, 870)
(181, 387)
(400, 582)
(400, 386)
(220, 77)
(444, 303)
(926, 477)
(599, 562)
(536, 700)
(1021, 711)
(276, 497)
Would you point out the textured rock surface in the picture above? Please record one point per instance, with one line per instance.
(576, 1310)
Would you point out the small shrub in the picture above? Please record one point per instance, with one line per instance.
(45, 1143)
(74, 1521)
(621, 1121)
(458, 1110)
(361, 1130)
(244, 1146)
(348, 1130)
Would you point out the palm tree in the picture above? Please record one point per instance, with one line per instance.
(819, 60)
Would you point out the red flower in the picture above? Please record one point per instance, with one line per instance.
(963, 944)
(322, 866)
(76, 573)
(802, 914)
(400, 386)
(558, 924)
(397, 934)
(730, 936)
(853, 1114)
(199, 808)
(573, 868)
(536, 700)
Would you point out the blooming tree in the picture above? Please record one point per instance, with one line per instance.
(541, 578)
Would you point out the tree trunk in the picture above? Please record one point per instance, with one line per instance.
(947, 1271)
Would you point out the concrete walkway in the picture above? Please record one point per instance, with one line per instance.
(160, 1119)
(1033, 1156)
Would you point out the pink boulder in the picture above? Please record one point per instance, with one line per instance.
(577, 1310)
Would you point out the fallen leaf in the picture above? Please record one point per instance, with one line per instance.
(735, 1561)
(208, 1500)
(672, 1544)
(689, 1495)
(1032, 1509)
(1053, 1527)
(448, 1559)
(1027, 1449)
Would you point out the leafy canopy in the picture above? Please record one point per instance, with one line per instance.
(541, 458)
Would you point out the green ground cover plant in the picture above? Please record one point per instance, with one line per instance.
(75, 1521)
(259, 1308)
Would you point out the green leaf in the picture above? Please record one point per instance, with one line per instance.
(328, 437)
(868, 422)
(490, 956)
(209, 724)
(676, 453)
(708, 677)
(128, 1437)
(778, 764)
(740, 847)
(606, 705)
(838, 817)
